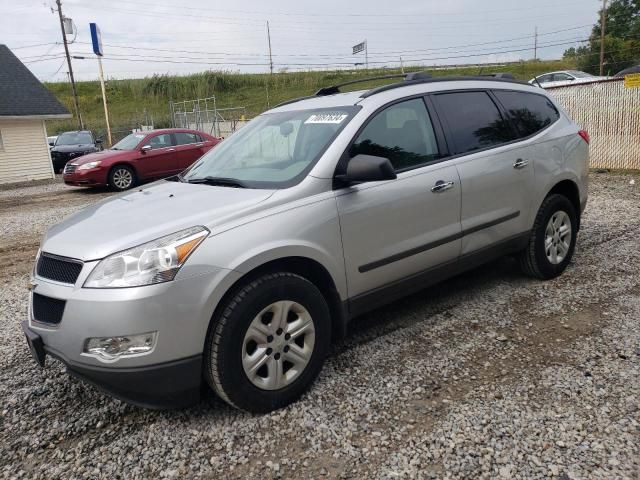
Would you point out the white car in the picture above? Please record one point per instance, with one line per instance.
(565, 77)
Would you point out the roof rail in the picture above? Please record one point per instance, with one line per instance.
(408, 77)
(412, 77)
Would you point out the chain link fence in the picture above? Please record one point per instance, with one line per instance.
(203, 114)
(610, 112)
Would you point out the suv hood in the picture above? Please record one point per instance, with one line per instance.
(136, 217)
(83, 147)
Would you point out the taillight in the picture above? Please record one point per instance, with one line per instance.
(585, 136)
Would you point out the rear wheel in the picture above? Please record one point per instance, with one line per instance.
(552, 240)
(121, 177)
(268, 342)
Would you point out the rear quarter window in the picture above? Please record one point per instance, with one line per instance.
(473, 121)
(530, 113)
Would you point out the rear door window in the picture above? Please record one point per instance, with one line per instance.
(403, 133)
(185, 138)
(473, 120)
(160, 141)
(530, 113)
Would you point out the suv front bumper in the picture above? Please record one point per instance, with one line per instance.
(170, 375)
(173, 384)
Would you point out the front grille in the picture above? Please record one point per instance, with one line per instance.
(70, 168)
(47, 309)
(60, 269)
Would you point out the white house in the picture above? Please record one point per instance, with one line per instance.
(25, 104)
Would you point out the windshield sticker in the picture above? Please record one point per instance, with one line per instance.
(331, 117)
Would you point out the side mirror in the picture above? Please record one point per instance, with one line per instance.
(145, 148)
(368, 168)
(98, 141)
(51, 144)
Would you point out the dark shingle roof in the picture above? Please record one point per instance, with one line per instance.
(21, 93)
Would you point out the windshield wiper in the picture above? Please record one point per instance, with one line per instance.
(219, 182)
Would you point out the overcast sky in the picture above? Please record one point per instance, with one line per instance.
(145, 37)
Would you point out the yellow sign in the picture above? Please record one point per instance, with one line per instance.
(632, 80)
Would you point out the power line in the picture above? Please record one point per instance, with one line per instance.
(202, 61)
(56, 72)
(35, 45)
(304, 26)
(206, 56)
(342, 15)
(393, 52)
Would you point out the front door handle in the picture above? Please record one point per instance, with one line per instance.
(441, 186)
(520, 163)
(171, 150)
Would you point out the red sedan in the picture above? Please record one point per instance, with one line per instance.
(139, 156)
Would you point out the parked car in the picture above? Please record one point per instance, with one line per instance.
(140, 156)
(628, 71)
(242, 270)
(71, 145)
(565, 77)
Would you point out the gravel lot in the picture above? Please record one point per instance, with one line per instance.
(489, 375)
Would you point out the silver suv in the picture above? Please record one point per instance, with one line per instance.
(241, 271)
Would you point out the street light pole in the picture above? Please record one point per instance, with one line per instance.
(104, 101)
(66, 51)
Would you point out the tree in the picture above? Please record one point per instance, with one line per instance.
(621, 42)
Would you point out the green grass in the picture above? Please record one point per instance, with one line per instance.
(132, 101)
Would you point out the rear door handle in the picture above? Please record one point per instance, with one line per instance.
(441, 186)
(171, 150)
(520, 163)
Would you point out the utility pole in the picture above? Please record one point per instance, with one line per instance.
(366, 55)
(66, 51)
(269, 40)
(603, 22)
(535, 44)
(401, 65)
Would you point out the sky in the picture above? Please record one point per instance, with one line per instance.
(146, 37)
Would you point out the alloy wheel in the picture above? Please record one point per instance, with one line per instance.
(122, 178)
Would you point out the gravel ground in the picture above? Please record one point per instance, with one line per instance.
(488, 375)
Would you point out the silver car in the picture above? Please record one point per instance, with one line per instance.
(240, 272)
(565, 77)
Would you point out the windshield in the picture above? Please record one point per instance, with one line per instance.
(578, 74)
(74, 138)
(275, 150)
(129, 142)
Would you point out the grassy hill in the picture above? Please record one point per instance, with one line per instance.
(136, 101)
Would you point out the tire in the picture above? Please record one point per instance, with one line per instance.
(122, 177)
(233, 349)
(549, 237)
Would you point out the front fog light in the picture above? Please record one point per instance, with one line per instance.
(112, 348)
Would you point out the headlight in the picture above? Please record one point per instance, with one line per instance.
(89, 166)
(153, 262)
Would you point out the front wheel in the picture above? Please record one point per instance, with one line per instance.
(552, 240)
(121, 178)
(268, 342)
